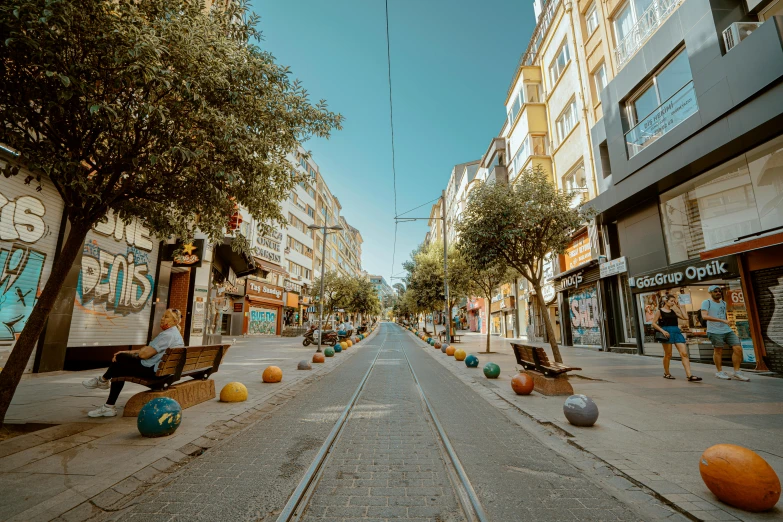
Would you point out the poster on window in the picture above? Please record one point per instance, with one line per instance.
(263, 321)
(583, 306)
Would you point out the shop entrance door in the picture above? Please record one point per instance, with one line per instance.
(626, 308)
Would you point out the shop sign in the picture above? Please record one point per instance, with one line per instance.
(578, 253)
(238, 288)
(238, 307)
(686, 273)
(613, 267)
(266, 254)
(188, 254)
(548, 292)
(571, 281)
(264, 290)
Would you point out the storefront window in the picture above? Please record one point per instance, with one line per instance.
(739, 198)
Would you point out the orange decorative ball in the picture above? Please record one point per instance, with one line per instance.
(522, 384)
(450, 351)
(348, 343)
(318, 357)
(272, 374)
(739, 477)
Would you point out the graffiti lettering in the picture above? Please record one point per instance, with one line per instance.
(262, 322)
(22, 219)
(21, 273)
(121, 281)
(134, 232)
(584, 317)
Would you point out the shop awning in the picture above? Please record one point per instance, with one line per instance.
(266, 266)
(744, 246)
(567, 273)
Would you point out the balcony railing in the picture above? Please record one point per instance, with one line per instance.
(681, 105)
(644, 28)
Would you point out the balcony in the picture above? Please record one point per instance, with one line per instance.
(679, 107)
(643, 29)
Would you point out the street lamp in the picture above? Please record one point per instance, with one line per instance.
(324, 229)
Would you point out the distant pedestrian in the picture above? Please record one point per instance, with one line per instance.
(720, 334)
(137, 363)
(665, 321)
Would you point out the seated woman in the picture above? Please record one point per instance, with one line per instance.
(137, 363)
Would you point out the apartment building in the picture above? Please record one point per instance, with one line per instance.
(343, 248)
(689, 155)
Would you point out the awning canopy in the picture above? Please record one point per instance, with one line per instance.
(241, 263)
(267, 267)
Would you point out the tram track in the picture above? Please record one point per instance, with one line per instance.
(297, 504)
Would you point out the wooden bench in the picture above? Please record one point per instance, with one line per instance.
(455, 338)
(198, 362)
(535, 358)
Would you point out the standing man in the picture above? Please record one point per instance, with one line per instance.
(720, 334)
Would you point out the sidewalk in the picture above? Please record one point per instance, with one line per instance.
(654, 430)
(81, 467)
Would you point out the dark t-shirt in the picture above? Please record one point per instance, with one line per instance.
(668, 319)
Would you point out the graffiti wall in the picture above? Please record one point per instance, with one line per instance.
(263, 321)
(584, 311)
(114, 295)
(29, 229)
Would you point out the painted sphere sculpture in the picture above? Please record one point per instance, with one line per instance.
(438, 344)
(444, 347)
(522, 384)
(471, 361)
(580, 410)
(348, 343)
(329, 352)
(739, 477)
(233, 392)
(338, 347)
(450, 351)
(272, 374)
(343, 345)
(491, 370)
(460, 354)
(304, 365)
(159, 417)
(320, 357)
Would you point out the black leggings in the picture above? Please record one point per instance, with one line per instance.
(126, 365)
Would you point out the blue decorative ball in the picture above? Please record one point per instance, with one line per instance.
(159, 417)
(471, 361)
(443, 347)
(580, 410)
(338, 348)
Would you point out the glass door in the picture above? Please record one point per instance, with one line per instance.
(626, 306)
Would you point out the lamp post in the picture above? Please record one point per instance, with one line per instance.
(324, 230)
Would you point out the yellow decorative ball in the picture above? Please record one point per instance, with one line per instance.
(460, 355)
(233, 392)
(344, 345)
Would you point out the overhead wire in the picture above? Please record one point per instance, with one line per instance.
(391, 124)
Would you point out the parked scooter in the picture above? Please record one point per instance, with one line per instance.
(311, 337)
(347, 335)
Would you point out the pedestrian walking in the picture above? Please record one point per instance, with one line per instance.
(666, 323)
(719, 332)
(136, 363)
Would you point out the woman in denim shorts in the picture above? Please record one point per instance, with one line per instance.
(666, 322)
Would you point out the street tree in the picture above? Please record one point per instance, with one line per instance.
(425, 291)
(520, 225)
(156, 110)
(485, 278)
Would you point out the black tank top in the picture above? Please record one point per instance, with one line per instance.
(668, 319)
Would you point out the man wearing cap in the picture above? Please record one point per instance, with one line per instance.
(720, 334)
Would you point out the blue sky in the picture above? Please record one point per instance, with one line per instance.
(452, 62)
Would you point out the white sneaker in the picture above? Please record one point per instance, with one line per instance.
(103, 411)
(722, 375)
(96, 382)
(740, 376)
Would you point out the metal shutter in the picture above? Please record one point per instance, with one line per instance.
(768, 287)
(29, 230)
(114, 294)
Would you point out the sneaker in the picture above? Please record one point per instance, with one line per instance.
(103, 411)
(96, 382)
(722, 375)
(740, 376)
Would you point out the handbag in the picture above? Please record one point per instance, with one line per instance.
(660, 338)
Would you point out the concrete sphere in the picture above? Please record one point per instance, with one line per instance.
(471, 361)
(740, 477)
(460, 354)
(338, 347)
(304, 365)
(272, 374)
(444, 347)
(580, 410)
(522, 384)
(233, 392)
(320, 357)
(159, 417)
(450, 351)
(328, 352)
(491, 370)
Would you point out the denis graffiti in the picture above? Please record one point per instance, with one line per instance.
(584, 316)
(262, 322)
(21, 273)
(121, 282)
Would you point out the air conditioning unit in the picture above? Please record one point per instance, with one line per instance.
(737, 32)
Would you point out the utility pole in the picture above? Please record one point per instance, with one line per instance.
(446, 268)
(323, 229)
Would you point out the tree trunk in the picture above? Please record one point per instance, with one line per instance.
(20, 355)
(489, 322)
(550, 332)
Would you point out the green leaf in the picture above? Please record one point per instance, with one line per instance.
(94, 108)
(66, 81)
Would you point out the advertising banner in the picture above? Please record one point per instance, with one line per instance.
(584, 312)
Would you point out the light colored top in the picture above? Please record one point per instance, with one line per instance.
(718, 310)
(170, 338)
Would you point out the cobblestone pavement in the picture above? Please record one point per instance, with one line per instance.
(387, 463)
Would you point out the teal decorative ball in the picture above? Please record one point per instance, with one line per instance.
(491, 370)
(471, 361)
(338, 348)
(329, 352)
(159, 417)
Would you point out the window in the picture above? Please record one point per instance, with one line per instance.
(575, 182)
(599, 78)
(566, 121)
(591, 19)
(741, 197)
(529, 93)
(298, 270)
(298, 224)
(310, 211)
(661, 104)
(559, 63)
(534, 145)
(636, 21)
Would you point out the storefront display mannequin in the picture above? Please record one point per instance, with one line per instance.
(721, 334)
(666, 322)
